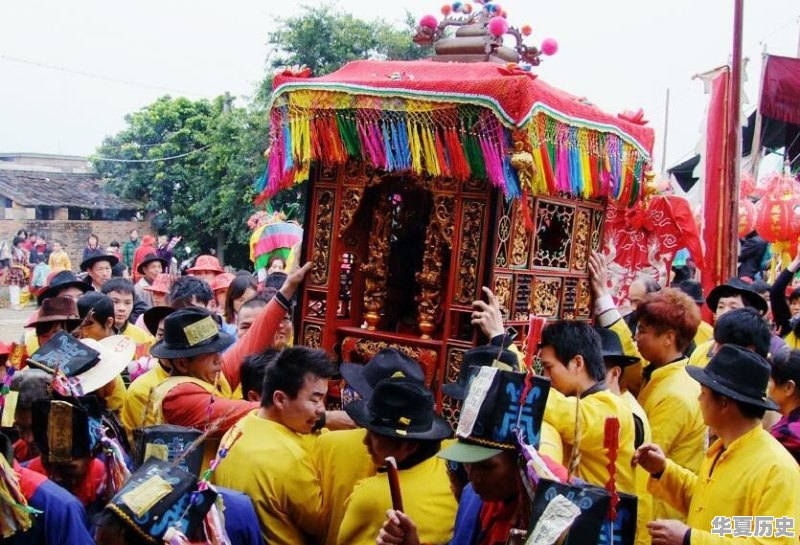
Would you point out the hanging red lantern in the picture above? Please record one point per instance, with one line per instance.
(778, 217)
(747, 186)
(747, 216)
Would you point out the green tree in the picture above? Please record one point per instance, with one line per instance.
(192, 164)
(324, 38)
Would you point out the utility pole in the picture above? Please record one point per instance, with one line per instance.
(666, 135)
(734, 143)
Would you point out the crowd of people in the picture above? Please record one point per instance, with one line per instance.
(179, 409)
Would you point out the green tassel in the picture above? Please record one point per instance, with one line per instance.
(347, 131)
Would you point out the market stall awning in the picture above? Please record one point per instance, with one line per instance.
(454, 119)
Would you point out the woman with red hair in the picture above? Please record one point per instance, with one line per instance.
(668, 321)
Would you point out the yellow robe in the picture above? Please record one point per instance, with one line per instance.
(644, 510)
(427, 499)
(341, 460)
(754, 477)
(670, 400)
(594, 409)
(271, 464)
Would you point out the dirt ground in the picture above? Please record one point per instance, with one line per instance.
(12, 323)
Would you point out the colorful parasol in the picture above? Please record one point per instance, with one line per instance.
(273, 239)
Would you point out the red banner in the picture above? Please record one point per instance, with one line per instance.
(716, 192)
(780, 97)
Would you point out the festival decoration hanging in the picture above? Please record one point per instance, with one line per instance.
(273, 236)
(778, 214)
(645, 238)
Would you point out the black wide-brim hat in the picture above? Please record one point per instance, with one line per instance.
(149, 258)
(734, 287)
(190, 332)
(612, 348)
(90, 261)
(61, 281)
(476, 357)
(401, 408)
(737, 373)
(153, 316)
(385, 363)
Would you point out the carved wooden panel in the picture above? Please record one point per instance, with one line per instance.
(451, 408)
(469, 254)
(521, 241)
(522, 297)
(503, 236)
(546, 297)
(503, 284)
(351, 199)
(321, 254)
(316, 304)
(583, 309)
(569, 300)
(597, 230)
(312, 336)
(581, 239)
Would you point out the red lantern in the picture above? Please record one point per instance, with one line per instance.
(747, 186)
(776, 220)
(747, 216)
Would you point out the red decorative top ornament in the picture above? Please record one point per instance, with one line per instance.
(479, 35)
(778, 217)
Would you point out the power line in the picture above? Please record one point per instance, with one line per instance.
(95, 76)
(115, 160)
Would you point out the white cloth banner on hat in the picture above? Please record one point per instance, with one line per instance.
(558, 516)
(471, 408)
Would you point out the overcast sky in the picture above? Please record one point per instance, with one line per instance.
(70, 70)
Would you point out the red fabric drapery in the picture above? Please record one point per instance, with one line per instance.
(716, 194)
(780, 97)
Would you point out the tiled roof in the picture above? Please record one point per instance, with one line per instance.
(30, 188)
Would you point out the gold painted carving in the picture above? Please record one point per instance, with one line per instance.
(322, 238)
(376, 269)
(439, 233)
(350, 201)
(469, 255)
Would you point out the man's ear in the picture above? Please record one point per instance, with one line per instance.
(181, 365)
(580, 363)
(110, 323)
(252, 395)
(279, 398)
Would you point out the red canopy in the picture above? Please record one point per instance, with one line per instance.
(780, 98)
(514, 95)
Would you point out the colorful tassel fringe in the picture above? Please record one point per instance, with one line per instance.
(457, 141)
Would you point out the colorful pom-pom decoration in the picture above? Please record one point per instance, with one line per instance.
(549, 46)
(429, 21)
(457, 7)
(504, 14)
(497, 9)
(446, 10)
(497, 26)
(467, 8)
(526, 30)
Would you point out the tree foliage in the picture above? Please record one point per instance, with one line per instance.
(324, 39)
(205, 193)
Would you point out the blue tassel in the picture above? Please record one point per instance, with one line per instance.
(261, 182)
(391, 162)
(402, 147)
(512, 189)
(288, 161)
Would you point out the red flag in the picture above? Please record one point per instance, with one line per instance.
(716, 192)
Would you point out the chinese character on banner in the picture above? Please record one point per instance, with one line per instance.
(762, 526)
(784, 527)
(721, 526)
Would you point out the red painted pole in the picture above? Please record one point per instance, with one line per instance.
(734, 145)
